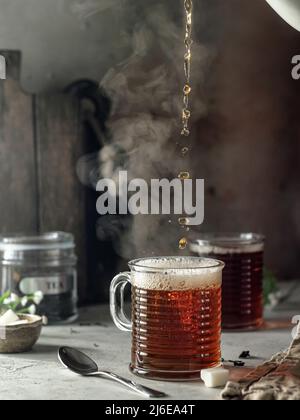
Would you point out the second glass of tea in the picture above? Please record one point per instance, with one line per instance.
(176, 315)
(242, 290)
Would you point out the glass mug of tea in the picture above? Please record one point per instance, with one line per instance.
(242, 290)
(176, 315)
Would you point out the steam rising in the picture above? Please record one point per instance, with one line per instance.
(144, 125)
(87, 8)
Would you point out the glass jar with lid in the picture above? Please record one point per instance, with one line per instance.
(242, 290)
(45, 263)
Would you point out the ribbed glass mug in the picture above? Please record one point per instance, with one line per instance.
(176, 315)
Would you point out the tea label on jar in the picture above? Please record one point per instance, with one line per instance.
(54, 285)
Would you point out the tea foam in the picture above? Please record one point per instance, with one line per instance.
(176, 274)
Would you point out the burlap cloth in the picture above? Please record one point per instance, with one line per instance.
(277, 379)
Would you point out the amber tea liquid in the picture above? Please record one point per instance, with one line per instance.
(176, 321)
(242, 289)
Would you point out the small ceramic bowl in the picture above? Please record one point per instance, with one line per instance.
(21, 338)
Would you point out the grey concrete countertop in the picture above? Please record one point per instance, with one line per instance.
(38, 375)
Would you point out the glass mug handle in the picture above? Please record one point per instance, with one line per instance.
(117, 311)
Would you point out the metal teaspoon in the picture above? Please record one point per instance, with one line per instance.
(81, 364)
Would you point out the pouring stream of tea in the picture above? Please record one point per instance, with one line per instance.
(186, 113)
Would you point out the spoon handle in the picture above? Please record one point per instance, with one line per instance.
(140, 389)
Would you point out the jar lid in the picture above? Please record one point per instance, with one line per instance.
(45, 242)
(233, 242)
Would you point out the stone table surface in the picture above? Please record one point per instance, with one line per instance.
(39, 376)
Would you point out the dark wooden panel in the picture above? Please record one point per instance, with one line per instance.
(61, 196)
(17, 156)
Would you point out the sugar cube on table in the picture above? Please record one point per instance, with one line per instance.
(215, 377)
(8, 318)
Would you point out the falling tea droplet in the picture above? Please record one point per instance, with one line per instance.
(183, 243)
(188, 4)
(184, 175)
(188, 43)
(188, 55)
(183, 221)
(186, 114)
(185, 132)
(187, 89)
(185, 150)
